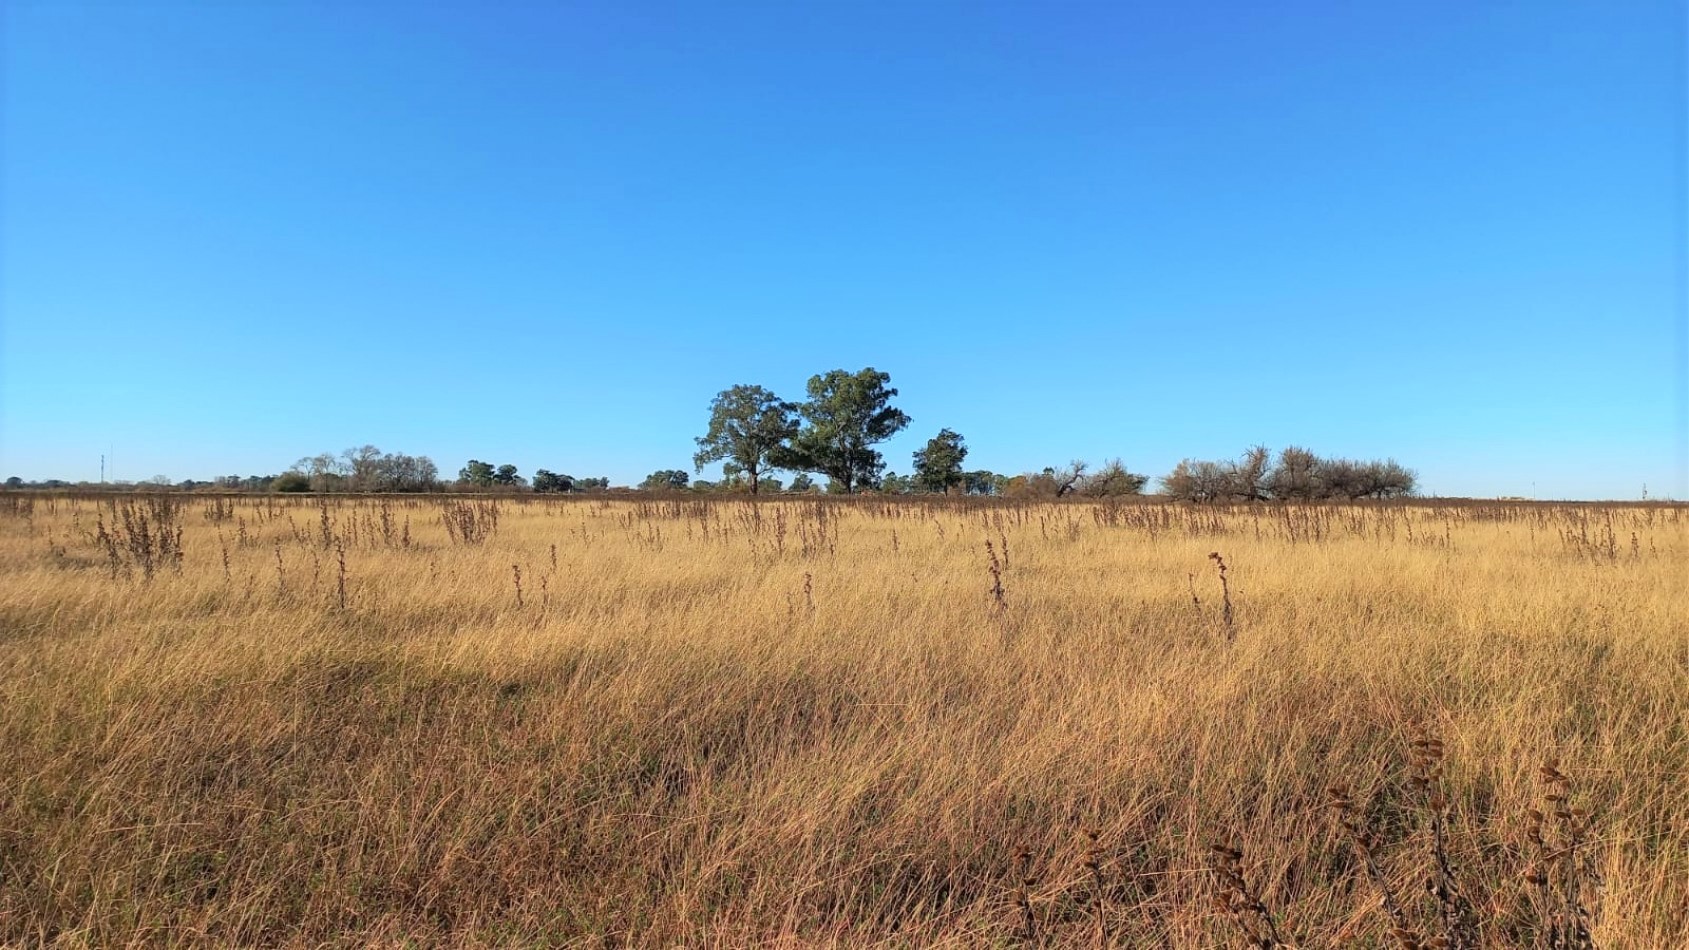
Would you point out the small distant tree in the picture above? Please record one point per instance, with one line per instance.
(1387, 479)
(668, 479)
(1376, 479)
(319, 465)
(1249, 475)
(1113, 480)
(291, 482)
(362, 468)
(748, 424)
(14, 482)
(1296, 476)
(984, 483)
(802, 483)
(1201, 480)
(895, 484)
(734, 481)
(326, 472)
(477, 473)
(506, 477)
(405, 473)
(1065, 481)
(1342, 478)
(938, 467)
(1050, 483)
(550, 482)
(1197, 480)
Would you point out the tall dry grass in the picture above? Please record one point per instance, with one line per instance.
(293, 722)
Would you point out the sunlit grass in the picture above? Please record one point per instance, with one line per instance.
(719, 723)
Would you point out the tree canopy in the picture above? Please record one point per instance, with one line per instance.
(845, 416)
(549, 481)
(477, 472)
(938, 467)
(668, 479)
(366, 468)
(748, 426)
(1299, 475)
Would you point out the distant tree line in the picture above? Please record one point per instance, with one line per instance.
(222, 483)
(477, 475)
(369, 469)
(551, 482)
(832, 435)
(1298, 475)
(362, 469)
(753, 432)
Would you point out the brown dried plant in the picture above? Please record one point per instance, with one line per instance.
(1025, 880)
(1560, 872)
(1364, 838)
(1455, 917)
(1240, 902)
(1225, 596)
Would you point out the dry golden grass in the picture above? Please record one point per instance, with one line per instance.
(798, 723)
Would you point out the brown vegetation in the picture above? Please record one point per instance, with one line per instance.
(591, 722)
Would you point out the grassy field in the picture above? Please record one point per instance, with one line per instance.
(593, 722)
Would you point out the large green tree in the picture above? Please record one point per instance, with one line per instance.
(938, 467)
(846, 415)
(748, 424)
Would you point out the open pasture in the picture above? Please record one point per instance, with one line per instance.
(624, 721)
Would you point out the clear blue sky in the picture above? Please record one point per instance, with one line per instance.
(239, 233)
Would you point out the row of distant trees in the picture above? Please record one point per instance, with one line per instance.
(1298, 475)
(222, 483)
(484, 475)
(832, 436)
(368, 469)
(362, 469)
